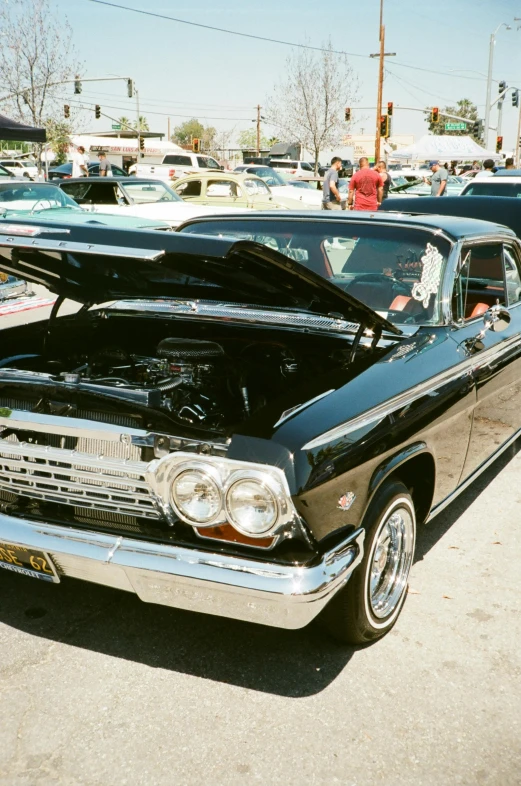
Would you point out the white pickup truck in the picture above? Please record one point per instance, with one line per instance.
(175, 165)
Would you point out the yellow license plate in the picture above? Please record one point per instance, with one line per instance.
(28, 562)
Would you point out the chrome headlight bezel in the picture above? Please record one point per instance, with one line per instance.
(267, 482)
(206, 470)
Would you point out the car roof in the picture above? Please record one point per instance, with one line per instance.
(117, 178)
(219, 174)
(455, 227)
(508, 173)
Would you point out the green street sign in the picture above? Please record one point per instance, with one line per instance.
(116, 126)
(455, 126)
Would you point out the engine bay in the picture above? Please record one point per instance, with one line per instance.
(201, 375)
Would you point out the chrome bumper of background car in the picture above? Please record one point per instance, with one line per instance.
(285, 596)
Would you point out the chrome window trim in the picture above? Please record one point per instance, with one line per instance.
(381, 411)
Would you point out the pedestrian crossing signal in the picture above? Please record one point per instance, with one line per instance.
(499, 144)
(435, 115)
(384, 126)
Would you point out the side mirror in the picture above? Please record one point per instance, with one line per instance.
(496, 319)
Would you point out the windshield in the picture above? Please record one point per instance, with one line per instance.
(486, 188)
(33, 196)
(153, 191)
(395, 270)
(270, 177)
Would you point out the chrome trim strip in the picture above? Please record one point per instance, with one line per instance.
(286, 596)
(381, 411)
(69, 247)
(471, 478)
(293, 411)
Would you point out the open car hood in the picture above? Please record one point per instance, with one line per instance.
(91, 264)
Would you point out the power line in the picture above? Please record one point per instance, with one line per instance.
(149, 99)
(223, 30)
(150, 111)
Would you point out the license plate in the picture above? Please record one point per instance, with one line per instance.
(29, 562)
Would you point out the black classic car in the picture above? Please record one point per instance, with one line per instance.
(230, 429)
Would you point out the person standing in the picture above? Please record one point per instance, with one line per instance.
(105, 167)
(79, 165)
(487, 171)
(438, 179)
(331, 199)
(365, 188)
(381, 168)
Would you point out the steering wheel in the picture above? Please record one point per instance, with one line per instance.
(46, 206)
(401, 286)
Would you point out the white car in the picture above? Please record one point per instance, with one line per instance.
(291, 167)
(21, 167)
(283, 190)
(136, 197)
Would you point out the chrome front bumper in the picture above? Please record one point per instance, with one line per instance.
(285, 596)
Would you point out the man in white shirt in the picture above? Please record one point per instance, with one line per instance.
(79, 165)
(487, 171)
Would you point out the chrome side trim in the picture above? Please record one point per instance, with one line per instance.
(471, 478)
(286, 596)
(68, 247)
(466, 368)
(293, 411)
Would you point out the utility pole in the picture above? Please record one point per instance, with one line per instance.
(258, 129)
(169, 129)
(518, 142)
(137, 126)
(382, 55)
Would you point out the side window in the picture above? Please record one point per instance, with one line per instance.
(76, 190)
(481, 281)
(222, 188)
(512, 274)
(192, 188)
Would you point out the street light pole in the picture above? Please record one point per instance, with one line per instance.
(258, 130)
(489, 80)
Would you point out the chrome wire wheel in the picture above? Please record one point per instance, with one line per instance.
(391, 559)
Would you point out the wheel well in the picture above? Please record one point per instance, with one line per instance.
(419, 474)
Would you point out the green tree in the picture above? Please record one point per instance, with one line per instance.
(143, 124)
(127, 124)
(58, 133)
(464, 109)
(194, 129)
(248, 140)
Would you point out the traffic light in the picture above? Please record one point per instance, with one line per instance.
(502, 86)
(477, 129)
(77, 85)
(435, 115)
(384, 126)
(499, 144)
(347, 114)
(390, 108)
(66, 111)
(97, 110)
(141, 143)
(130, 88)
(196, 145)
(515, 98)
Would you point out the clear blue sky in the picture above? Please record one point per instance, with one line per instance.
(184, 71)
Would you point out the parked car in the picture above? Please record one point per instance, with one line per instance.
(281, 187)
(64, 171)
(7, 176)
(175, 165)
(21, 167)
(23, 200)
(291, 167)
(232, 189)
(234, 433)
(133, 197)
(497, 185)
(346, 171)
(454, 187)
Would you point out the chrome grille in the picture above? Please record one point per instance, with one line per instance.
(74, 478)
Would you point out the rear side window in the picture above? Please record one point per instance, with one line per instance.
(283, 164)
(76, 190)
(486, 188)
(481, 281)
(176, 160)
(223, 188)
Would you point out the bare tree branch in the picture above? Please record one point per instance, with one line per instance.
(308, 105)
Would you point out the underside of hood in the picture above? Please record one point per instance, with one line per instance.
(96, 264)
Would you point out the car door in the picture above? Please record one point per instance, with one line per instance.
(224, 192)
(490, 275)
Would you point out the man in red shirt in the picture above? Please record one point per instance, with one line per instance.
(365, 188)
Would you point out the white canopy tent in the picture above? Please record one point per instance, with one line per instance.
(444, 148)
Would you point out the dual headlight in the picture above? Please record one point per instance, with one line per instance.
(253, 502)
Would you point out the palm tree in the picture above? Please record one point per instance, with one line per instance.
(143, 124)
(125, 123)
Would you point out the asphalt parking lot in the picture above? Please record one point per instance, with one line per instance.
(98, 688)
